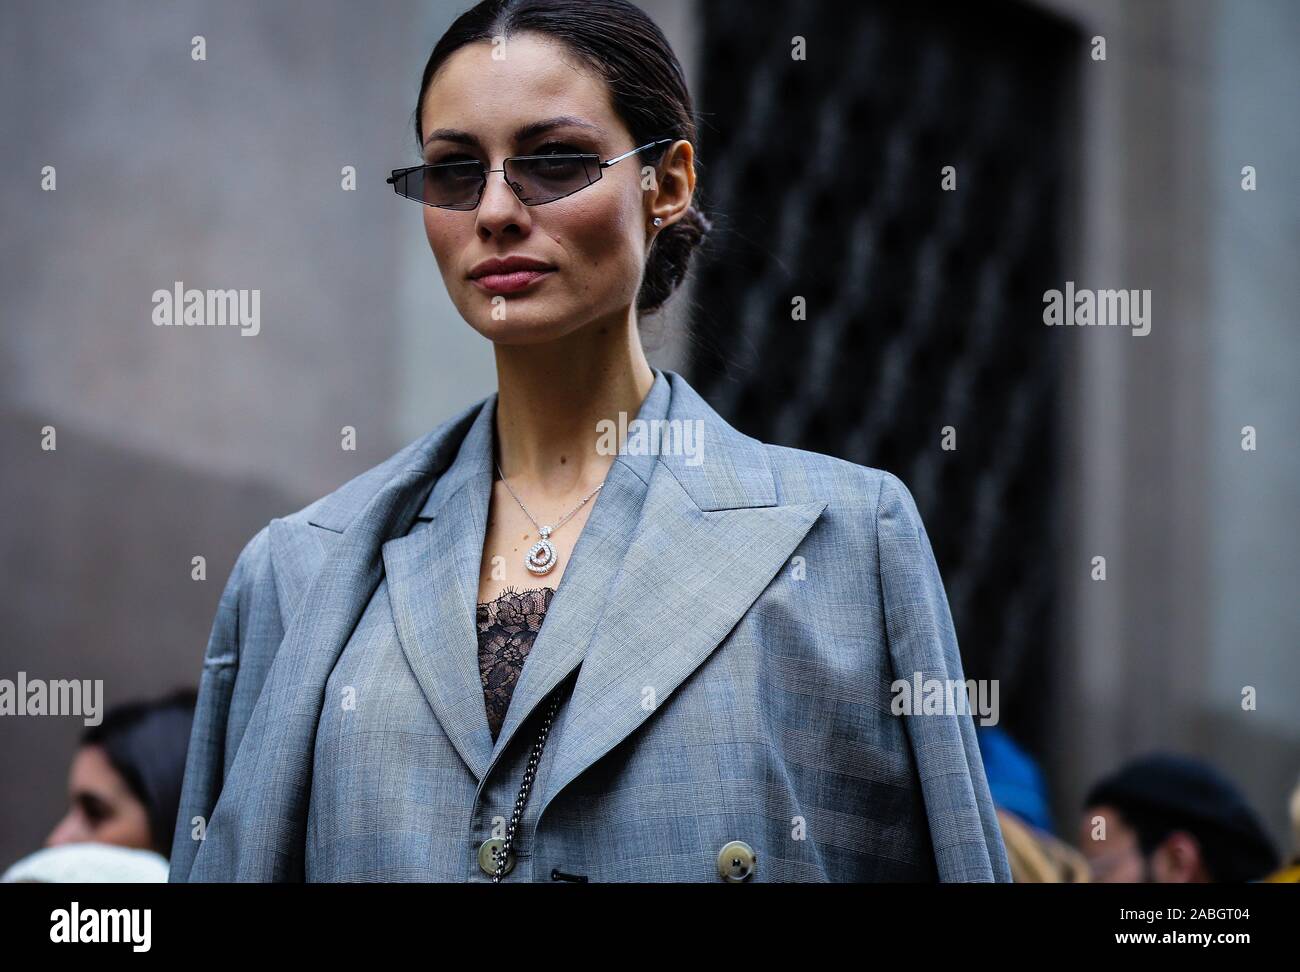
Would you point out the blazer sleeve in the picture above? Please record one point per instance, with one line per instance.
(215, 734)
(964, 830)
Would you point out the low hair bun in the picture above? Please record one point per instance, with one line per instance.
(670, 258)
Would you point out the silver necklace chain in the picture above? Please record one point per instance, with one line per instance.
(533, 518)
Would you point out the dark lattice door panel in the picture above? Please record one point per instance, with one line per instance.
(924, 307)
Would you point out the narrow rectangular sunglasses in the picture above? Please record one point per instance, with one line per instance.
(535, 179)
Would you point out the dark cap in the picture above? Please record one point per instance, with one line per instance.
(1163, 792)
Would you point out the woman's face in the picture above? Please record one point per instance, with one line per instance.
(102, 809)
(596, 239)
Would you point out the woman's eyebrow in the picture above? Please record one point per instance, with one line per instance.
(523, 134)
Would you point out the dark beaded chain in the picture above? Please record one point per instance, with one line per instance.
(500, 855)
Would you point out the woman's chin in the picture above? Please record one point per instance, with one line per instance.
(523, 327)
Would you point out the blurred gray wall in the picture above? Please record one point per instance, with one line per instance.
(1199, 535)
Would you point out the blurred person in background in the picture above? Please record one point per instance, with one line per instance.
(1035, 853)
(124, 786)
(1290, 872)
(1171, 819)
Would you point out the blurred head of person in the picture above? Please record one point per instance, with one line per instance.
(124, 786)
(1171, 819)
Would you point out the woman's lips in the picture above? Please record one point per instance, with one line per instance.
(505, 283)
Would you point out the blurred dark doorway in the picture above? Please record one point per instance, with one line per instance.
(923, 306)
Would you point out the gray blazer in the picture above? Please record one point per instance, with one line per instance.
(730, 629)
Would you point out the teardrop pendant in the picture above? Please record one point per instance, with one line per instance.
(541, 555)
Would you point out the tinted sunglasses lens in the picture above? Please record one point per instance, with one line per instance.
(545, 178)
(455, 185)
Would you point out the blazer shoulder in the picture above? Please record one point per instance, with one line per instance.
(803, 476)
(872, 504)
(252, 572)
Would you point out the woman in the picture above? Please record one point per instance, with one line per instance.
(685, 642)
(124, 785)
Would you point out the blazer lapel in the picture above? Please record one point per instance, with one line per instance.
(298, 549)
(433, 576)
(711, 537)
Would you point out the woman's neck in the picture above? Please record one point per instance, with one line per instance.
(551, 397)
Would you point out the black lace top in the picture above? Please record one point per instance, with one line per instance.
(507, 627)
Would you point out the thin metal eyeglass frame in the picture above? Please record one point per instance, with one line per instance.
(398, 173)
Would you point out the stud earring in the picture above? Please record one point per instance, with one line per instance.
(658, 221)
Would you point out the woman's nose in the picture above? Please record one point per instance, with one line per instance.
(69, 830)
(500, 206)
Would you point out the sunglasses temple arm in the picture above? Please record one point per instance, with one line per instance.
(639, 148)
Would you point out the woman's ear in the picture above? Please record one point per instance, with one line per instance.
(670, 186)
